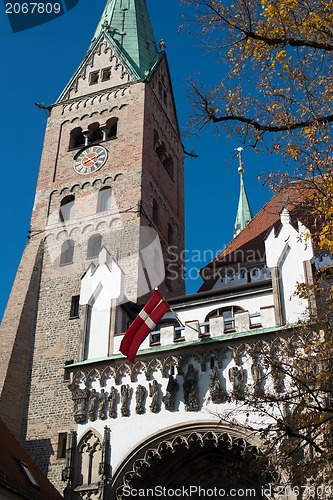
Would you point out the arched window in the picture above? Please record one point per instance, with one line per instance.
(228, 316)
(168, 165)
(77, 138)
(94, 246)
(104, 200)
(95, 133)
(111, 128)
(89, 458)
(67, 208)
(67, 252)
(155, 212)
(160, 150)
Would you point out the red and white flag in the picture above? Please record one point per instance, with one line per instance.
(143, 324)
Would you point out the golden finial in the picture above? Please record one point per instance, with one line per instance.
(239, 154)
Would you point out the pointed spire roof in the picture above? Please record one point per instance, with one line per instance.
(244, 213)
(126, 24)
(127, 30)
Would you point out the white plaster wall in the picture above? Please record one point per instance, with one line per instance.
(250, 303)
(292, 272)
(99, 326)
(198, 312)
(287, 250)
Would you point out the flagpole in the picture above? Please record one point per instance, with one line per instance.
(174, 312)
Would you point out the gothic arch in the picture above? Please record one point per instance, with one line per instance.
(207, 454)
(89, 457)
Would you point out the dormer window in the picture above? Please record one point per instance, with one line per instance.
(28, 474)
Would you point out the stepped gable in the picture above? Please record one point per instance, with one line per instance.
(249, 245)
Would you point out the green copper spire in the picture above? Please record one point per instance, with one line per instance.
(244, 213)
(126, 24)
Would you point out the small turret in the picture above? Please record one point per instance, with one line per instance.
(244, 213)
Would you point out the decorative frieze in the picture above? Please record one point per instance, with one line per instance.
(233, 372)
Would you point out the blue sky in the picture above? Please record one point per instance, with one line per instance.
(37, 64)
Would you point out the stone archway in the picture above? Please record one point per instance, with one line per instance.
(217, 458)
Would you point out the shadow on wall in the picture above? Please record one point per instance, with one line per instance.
(40, 450)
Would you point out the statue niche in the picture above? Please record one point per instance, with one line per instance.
(191, 389)
(112, 402)
(154, 393)
(217, 393)
(170, 396)
(140, 395)
(125, 399)
(236, 376)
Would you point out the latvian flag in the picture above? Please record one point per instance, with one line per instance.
(143, 324)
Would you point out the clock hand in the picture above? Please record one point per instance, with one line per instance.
(92, 158)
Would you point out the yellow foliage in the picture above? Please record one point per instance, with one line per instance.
(280, 56)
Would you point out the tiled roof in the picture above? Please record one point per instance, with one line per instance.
(249, 245)
(13, 461)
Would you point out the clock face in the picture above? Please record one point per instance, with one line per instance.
(90, 159)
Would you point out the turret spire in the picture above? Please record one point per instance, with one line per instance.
(244, 213)
(127, 25)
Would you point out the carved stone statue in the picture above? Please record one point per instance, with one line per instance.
(140, 399)
(93, 405)
(112, 402)
(80, 398)
(236, 376)
(170, 395)
(154, 393)
(257, 375)
(103, 403)
(278, 377)
(125, 398)
(217, 394)
(191, 389)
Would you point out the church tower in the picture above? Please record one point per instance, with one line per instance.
(109, 193)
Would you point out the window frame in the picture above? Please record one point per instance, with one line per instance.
(68, 253)
(92, 244)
